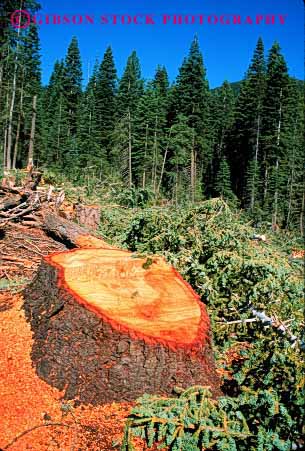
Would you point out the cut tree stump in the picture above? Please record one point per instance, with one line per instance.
(88, 216)
(110, 326)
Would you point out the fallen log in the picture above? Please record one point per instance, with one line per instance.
(9, 202)
(71, 233)
(108, 326)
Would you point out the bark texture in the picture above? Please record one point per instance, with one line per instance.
(88, 216)
(71, 233)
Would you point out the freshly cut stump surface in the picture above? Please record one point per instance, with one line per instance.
(110, 326)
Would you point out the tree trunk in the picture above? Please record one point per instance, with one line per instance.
(72, 234)
(1, 75)
(276, 196)
(58, 131)
(276, 191)
(193, 172)
(129, 151)
(8, 159)
(32, 136)
(155, 157)
(4, 148)
(177, 184)
(18, 131)
(145, 157)
(292, 175)
(266, 183)
(16, 143)
(10, 128)
(110, 327)
(164, 160)
(255, 173)
(302, 215)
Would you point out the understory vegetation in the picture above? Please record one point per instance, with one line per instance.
(254, 294)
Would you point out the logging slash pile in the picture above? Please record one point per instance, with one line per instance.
(29, 202)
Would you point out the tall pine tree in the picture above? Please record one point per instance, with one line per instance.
(129, 93)
(245, 145)
(73, 84)
(91, 153)
(55, 120)
(222, 113)
(150, 132)
(105, 92)
(274, 129)
(293, 196)
(190, 97)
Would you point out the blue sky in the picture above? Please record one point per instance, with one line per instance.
(227, 49)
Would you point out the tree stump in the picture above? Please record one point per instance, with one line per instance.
(110, 326)
(88, 216)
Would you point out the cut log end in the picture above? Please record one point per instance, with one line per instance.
(109, 326)
(150, 300)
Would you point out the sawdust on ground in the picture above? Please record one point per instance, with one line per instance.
(33, 416)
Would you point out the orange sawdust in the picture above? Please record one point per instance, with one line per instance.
(147, 296)
(32, 415)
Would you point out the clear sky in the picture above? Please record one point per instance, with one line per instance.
(227, 49)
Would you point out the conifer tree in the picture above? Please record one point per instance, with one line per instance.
(147, 128)
(293, 159)
(150, 131)
(245, 147)
(55, 119)
(73, 84)
(32, 95)
(129, 93)
(223, 180)
(91, 153)
(161, 82)
(104, 94)
(190, 97)
(222, 104)
(130, 86)
(180, 159)
(19, 84)
(122, 150)
(274, 130)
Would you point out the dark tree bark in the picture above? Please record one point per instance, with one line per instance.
(71, 233)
